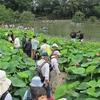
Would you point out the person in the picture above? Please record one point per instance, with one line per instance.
(73, 35)
(34, 43)
(45, 71)
(24, 41)
(16, 42)
(37, 56)
(54, 47)
(36, 82)
(39, 93)
(28, 47)
(80, 36)
(4, 86)
(11, 36)
(43, 47)
(55, 70)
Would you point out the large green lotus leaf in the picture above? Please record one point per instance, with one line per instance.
(62, 60)
(76, 58)
(11, 69)
(73, 85)
(82, 86)
(14, 63)
(93, 94)
(91, 99)
(14, 51)
(16, 58)
(72, 93)
(78, 71)
(71, 77)
(88, 90)
(89, 54)
(64, 52)
(90, 69)
(6, 58)
(17, 82)
(21, 92)
(92, 83)
(85, 64)
(22, 75)
(60, 91)
(4, 65)
(70, 69)
(95, 61)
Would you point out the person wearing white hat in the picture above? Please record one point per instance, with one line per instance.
(54, 47)
(55, 70)
(4, 86)
(36, 82)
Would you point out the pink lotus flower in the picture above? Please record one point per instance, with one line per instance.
(77, 64)
(89, 59)
(97, 54)
(64, 40)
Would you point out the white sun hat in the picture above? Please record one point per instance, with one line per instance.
(4, 82)
(36, 82)
(55, 45)
(57, 52)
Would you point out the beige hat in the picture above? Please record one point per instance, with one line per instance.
(57, 52)
(4, 82)
(55, 45)
(63, 99)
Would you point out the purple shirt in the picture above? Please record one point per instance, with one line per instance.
(54, 64)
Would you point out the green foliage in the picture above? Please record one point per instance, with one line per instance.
(80, 60)
(78, 17)
(93, 18)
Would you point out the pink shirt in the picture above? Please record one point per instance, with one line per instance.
(54, 64)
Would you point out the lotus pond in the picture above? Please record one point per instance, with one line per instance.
(79, 60)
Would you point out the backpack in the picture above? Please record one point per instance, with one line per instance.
(50, 67)
(4, 95)
(28, 95)
(37, 71)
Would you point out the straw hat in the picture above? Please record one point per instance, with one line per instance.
(4, 82)
(36, 82)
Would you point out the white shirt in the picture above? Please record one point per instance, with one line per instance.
(17, 43)
(44, 69)
(8, 97)
(34, 44)
(43, 47)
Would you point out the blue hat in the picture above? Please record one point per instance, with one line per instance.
(36, 82)
(44, 54)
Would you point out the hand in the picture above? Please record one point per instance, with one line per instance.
(46, 84)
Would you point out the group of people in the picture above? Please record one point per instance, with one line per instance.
(50, 69)
(77, 35)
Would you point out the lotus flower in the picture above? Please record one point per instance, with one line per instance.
(77, 64)
(97, 54)
(89, 59)
(64, 40)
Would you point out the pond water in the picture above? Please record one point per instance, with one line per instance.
(63, 29)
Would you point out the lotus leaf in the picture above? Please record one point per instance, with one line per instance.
(78, 71)
(4, 65)
(22, 75)
(17, 82)
(73, 85)
(92, 83)
(60, 91)
(21, 92)
(16, 58)
(82, 86)
(90, 69)
(62, 60)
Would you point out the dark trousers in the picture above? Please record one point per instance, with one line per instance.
(48, 90)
